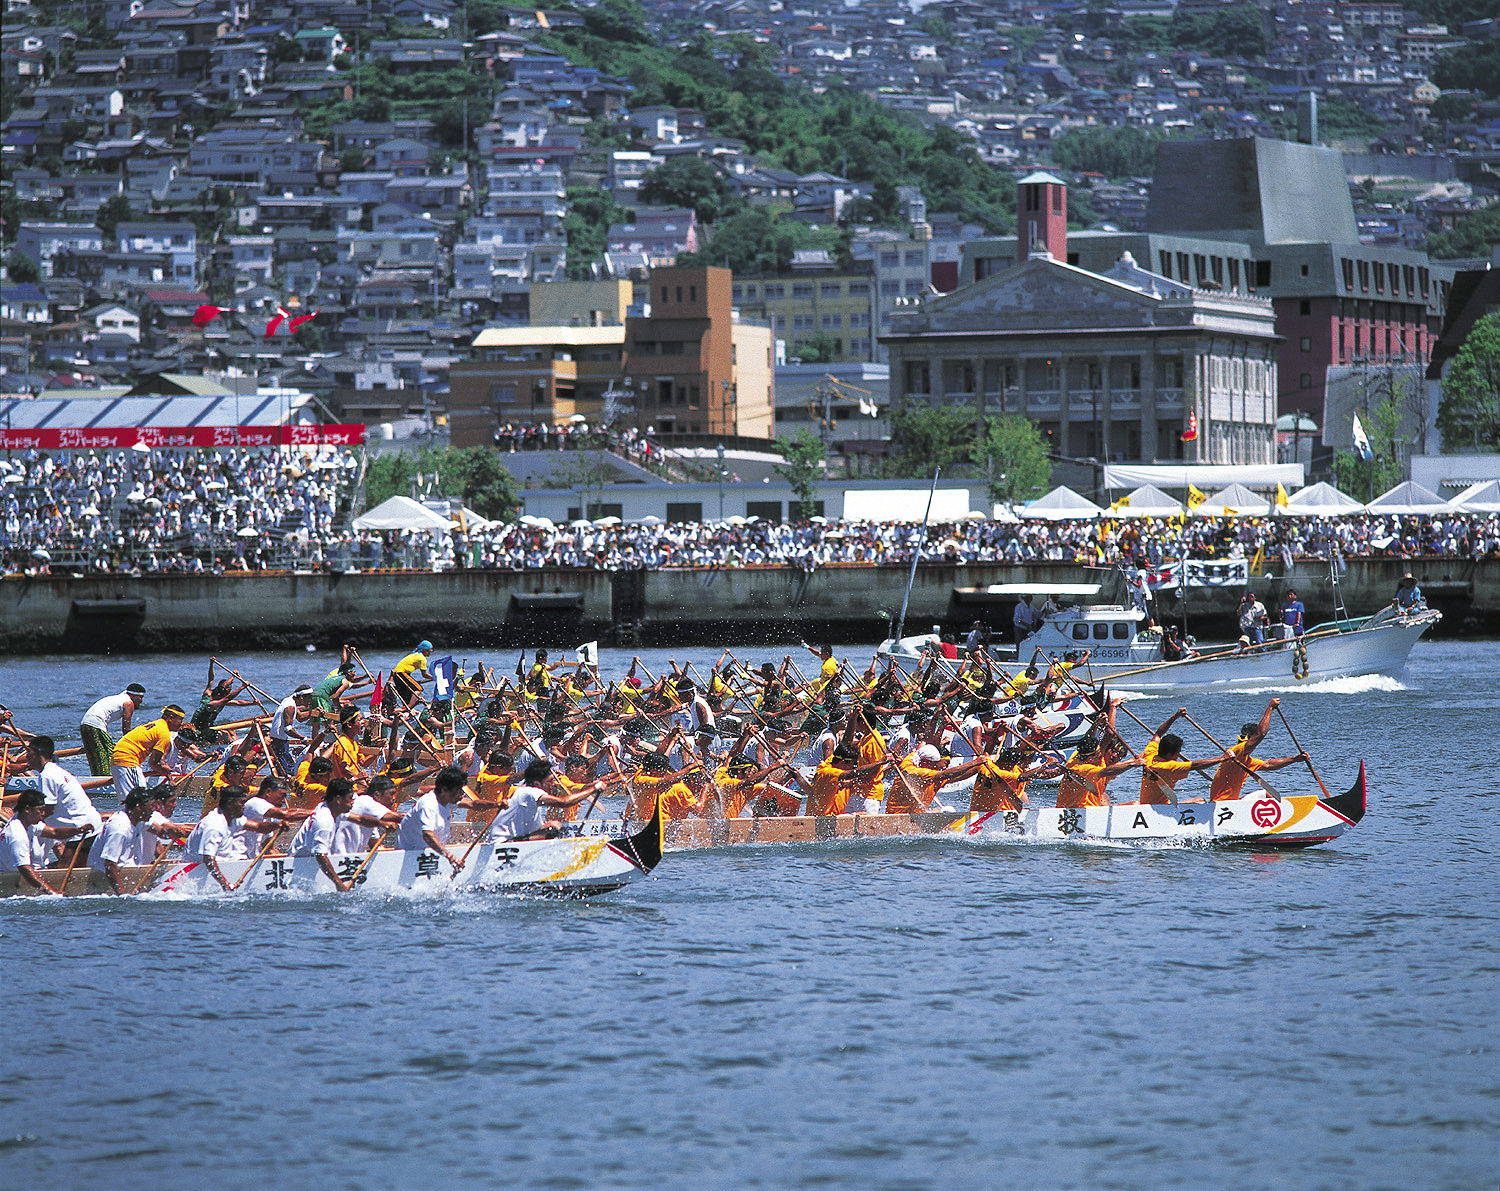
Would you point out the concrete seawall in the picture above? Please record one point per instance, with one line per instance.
(202, 613)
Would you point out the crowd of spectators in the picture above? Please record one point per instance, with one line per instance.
(118, 511)
(246, 510)
(639, 445)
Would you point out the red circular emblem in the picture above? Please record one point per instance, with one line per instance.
(1266, 813)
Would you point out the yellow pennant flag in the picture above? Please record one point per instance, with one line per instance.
(1195, 497)
(1123, 502)
(1281, 501)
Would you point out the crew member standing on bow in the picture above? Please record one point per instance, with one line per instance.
(97, 742)
(409, 675)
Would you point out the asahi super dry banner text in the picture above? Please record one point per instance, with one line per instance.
(107, 437)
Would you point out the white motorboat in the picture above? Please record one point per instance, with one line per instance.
(1125, 655)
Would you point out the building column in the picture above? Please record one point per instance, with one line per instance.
(1148, 403)
(1065, 407)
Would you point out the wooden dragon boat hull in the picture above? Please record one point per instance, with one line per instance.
(1259, 822)
(569, 866)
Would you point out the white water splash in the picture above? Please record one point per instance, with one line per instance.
(1357, 685)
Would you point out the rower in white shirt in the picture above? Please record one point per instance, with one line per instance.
(371, 814)
(429, 823)
(213, 839)
(115, 846)
(22, 848)
(98, 745)
(73, 816)
(315, 836)
(523, 815)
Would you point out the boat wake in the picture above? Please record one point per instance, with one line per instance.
(1357, 685)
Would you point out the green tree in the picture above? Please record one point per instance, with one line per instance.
(1469, 413)
(590, 212)
(1371, 477)
(926, 437)
(473, 473)
(751, 241)
(1474, 66)
(817, 348)
(21, 268)
(804, 459)
(111, 212)
(688, 181)
(1474, 235)
(485, 484)
(619, 21)
(1114, 152)
(1015, 457)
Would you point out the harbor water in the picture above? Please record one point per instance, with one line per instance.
(894, 1014)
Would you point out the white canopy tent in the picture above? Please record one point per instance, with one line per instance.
(1234, 499)
(401, 512)
(1409, 498)
(1205, 476)
(1061, 504)
(1149, 501)
(1320, 500)
(1482, 497)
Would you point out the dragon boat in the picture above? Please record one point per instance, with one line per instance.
(568, 866)
(1261, 822)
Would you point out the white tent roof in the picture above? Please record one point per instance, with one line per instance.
(1061, 504)
(1150, 501)
(1320, 500)
(1409, 497)
(401, 512)
(1480, 497)
(1236, 497)
(1206, 476)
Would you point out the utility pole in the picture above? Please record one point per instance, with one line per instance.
(721, 481)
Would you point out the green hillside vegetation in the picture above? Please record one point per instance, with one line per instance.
(792, 127)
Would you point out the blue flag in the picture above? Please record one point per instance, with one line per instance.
(442, 678)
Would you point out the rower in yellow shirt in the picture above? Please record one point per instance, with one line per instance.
(1229, 779)
(1000, 784)
(411, 672)
(493, 783)
(140, 751)
(1087, 775)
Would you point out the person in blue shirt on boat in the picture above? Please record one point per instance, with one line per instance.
(1408, 595)
(1294, 616)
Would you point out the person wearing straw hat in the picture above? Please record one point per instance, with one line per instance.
(1408, 597)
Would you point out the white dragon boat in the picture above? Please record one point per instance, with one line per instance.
(1261, 822)
(568, 866)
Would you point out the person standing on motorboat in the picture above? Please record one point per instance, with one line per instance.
(1408, 596)
(1025, 619)
(1252, 618)
(1294, 617)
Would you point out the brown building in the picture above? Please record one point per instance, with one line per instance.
(686, 367)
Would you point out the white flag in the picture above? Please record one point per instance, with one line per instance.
(588, 653)
(1362, 440)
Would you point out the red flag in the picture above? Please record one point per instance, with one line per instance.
(276, 322)
(378, 693)
(1192, 427)
(299, 320)
(206, 314)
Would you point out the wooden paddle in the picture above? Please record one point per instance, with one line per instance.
(1304, 752)
(150, 872)
(244, 876)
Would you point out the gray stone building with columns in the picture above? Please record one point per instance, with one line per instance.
(1109, 365)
